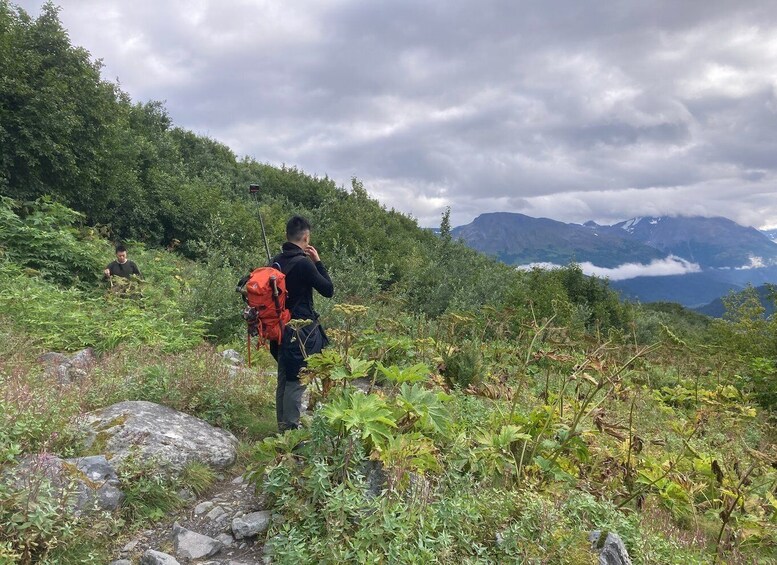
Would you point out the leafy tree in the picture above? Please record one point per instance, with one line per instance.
(55, 111)
(445, 225)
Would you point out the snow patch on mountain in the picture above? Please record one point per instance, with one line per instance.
(629, 225)
(755, 263)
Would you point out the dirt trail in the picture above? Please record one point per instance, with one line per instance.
(210, 514)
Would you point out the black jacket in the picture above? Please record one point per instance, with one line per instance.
(303, 277)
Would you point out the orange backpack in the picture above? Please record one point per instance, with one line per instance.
(266, 314)
(264, 292)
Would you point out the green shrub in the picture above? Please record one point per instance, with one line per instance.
(42, 236)
(463, 366)
(37, 525)
(149, 493)
(760, 378)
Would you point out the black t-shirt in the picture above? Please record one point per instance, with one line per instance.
(123, 269)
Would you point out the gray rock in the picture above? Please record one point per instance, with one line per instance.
(364, 384)
(121, 562)
(251, 524)
(375, 477)
(84, 484)
(103, 476)
(152, 557)
(187, 495)
(153, 432)
(612, 550)
(304, 401)
(130, 546)
(191, 545)
(84, 359)
(203, 507)
(75, 374)
(218, 514)
(52, 358)
(232, 356)
(61, 373)
(67, 369)
(226, 539)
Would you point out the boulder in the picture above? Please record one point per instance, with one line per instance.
(160, 434)
(152, 557)
(84, 359)
(612, 550)
(252, 524)
(232, 356)
(52, 359)
(97, 472)
(191, 545)
(85, 483)
(67, 369)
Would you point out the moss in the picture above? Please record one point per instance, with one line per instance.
(73, 472)
(99, 443)
(117, 421)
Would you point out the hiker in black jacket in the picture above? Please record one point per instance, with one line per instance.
(304, 272)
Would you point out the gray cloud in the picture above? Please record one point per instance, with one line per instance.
(570, 110)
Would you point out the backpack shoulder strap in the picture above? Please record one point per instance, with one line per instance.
(293, 262)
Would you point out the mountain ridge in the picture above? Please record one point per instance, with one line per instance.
(518, 239)
(710, 256)
(711, 242)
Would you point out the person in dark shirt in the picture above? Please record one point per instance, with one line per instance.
(304, 271)
(121, 267)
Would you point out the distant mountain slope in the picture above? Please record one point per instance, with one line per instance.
(710, 242)
(771, 234)
(692, 290)
(729, 256)
(716, 308)
(517, 239)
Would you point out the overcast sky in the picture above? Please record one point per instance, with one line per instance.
(572, 110)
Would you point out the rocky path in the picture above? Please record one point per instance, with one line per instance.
(225, 526)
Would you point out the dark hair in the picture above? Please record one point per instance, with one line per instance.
(296, 227)
(120, 248)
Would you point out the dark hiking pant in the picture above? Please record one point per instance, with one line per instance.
(291, 355)
(288, 400)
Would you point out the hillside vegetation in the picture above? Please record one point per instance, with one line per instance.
(510, 413)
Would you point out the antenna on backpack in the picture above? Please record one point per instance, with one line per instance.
(253, 190)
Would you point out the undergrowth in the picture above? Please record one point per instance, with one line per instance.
(484, 436)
